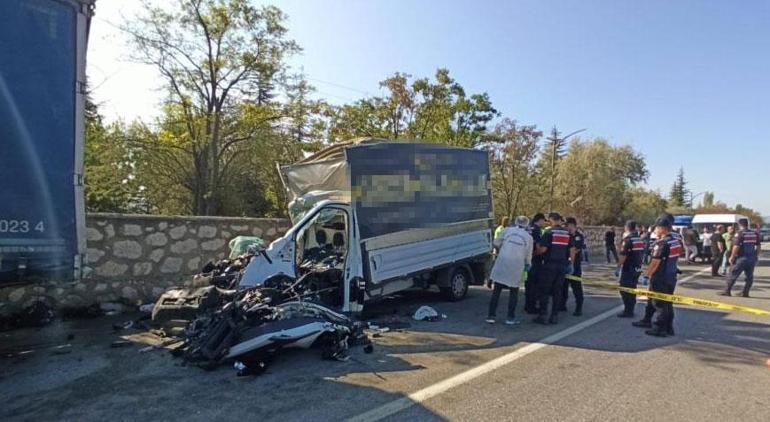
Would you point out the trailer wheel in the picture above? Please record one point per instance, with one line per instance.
(457, 285)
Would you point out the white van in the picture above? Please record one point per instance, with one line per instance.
(712, 220)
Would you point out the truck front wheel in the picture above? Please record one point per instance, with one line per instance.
(456, 286)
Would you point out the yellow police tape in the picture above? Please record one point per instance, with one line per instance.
(674, 298)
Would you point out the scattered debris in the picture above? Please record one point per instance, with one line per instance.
(62, 349)
(111, 308)
(120, 343)
(426, 313)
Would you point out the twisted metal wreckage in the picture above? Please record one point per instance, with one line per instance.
(248, 326)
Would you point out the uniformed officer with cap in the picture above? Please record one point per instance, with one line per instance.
(558, 250)
(630, 266)
(743, 257)
(577, 288)
(530, 283)
(662, 273)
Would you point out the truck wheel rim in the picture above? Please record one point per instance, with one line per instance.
(458, 284)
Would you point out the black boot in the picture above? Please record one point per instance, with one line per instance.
(656, 332)
(578, 312)
(553, 319)
(540, 320)
(643, 323)
(626, 314)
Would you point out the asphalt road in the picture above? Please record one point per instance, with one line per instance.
(594, 367)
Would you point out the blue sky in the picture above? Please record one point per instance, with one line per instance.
(687, 83)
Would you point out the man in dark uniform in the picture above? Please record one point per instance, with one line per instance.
(743, 257)
(530, 289)
(630, 266)
(662, 273)
(577, 287)
(609, 244)
(558, 250)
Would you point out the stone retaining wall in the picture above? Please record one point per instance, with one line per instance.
(134, 258)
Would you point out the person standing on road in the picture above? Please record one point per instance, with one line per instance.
(691, 243)
(530, 287)
(718, 248)
(647, 239)
(629, 267)
(728, 237)
(503, 224)
(705, 238)
(514, 258)
(577, 287)
(558, 249)
(743, 257)
(662, 273)
(609, 244)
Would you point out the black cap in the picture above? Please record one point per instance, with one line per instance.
(538, 216)
(631, 224)
(570, 220)
(664, 220)
(554, 216)
(743, 222)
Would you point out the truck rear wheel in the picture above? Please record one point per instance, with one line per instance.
(456, 286)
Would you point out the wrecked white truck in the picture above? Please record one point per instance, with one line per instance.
(374, 217)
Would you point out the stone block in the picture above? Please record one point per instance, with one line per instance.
(162, 225)
(212, 245)
(109, 231)
(93, 235)
(142, 268)
(156, 255)
(271, 232)
(184, 246)
(101, 287)
(194, 264)
(127, 249)
(17, 294)
(132, 230)
(207, 232)
(156, 239)
(226, 235)
(256, 231)
(93, 255)
(111, 269)
(171, 264)
(130, 293)
(177, 232)
(238, 228)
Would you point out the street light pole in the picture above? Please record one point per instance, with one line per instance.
(555, 142)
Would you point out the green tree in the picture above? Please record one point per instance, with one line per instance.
(220, 60)
(431, 111)
(110, 180)
(680, 195)
(512, 150)
(643, 205)
(594, 179)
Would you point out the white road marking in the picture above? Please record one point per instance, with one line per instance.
(440, 387)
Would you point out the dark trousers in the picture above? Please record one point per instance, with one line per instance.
(742, 265)
(512, 300)
(665, 310)
(610, 249)
(629, 279)
(577, 290)
(716, 264)
(550, 283)
(530, 290)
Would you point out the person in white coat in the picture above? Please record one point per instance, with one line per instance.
(514, 257)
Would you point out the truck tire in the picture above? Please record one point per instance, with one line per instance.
(455, 286)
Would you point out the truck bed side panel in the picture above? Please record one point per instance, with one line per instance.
(402, 260)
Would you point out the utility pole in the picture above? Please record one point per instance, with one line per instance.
(556, 143)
